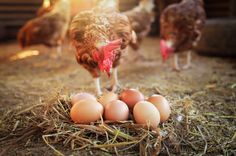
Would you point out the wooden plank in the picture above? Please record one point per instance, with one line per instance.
(21, 1)
(17, 8)
(216, 1)
(218, 5)
(218, 14)
(13, 22)
(233, 8)
(16, 16)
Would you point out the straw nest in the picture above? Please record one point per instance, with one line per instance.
(187, 132)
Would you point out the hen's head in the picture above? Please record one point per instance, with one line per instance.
(105, 54)
(166, 48)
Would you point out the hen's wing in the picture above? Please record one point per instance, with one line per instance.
(140, 21)
(121, 28)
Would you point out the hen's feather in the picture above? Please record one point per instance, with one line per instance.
(48, 29)
(98, 26)
(141, 18)
(181, 23)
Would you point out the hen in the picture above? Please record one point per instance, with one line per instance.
(45, 8)
(181, 26)
(49, 29)
(100, 36)
(141, 18)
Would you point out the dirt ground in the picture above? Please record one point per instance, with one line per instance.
(210, 84)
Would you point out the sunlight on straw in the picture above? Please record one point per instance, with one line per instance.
(46, 3)
(24, 54)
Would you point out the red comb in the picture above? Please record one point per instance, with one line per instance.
(106, 55)
(165, 50)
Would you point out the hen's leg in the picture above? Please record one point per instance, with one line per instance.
(98, 87)
(59, 50)
(114, 81)
(176, 63)
(188, 60)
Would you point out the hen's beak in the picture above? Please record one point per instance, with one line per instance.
(106, 54)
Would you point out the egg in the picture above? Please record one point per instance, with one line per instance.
(162, 105)
(131, 97)
(146, 113)
(86, 111)
(81, 96)
(107, 97)
(116, 111)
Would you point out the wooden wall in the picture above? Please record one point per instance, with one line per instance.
(14, 13)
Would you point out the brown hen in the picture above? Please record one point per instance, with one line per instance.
(49, 29)
(45, 8)
(181, 26)
(141, 18)
(100, 36)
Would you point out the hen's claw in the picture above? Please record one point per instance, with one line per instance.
(188, 60)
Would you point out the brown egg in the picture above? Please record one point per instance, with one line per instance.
(107, 98)
(81, 96)
(131, 97)
(116, 111)
(146, 113)
(162, 105)
(86, 111)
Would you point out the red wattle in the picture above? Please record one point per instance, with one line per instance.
(106, 55)
(165, 50)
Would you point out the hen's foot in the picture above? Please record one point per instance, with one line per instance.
(176, 63)
(187, 66)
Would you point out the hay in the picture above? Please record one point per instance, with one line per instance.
(188, 132)
(52, 122)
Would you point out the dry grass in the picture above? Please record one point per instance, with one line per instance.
(34, 120)
(188, 132)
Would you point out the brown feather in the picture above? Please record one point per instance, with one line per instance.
(49, 29)
(141, 19)
(182, 23)
(98, 25)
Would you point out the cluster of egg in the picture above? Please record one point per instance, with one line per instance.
(86, 108)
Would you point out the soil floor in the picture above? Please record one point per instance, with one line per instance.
(210, 83)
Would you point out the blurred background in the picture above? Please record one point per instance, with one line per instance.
(14, 13)
(220, 14)
(205, 94)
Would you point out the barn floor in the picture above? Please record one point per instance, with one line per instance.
(210, 84)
